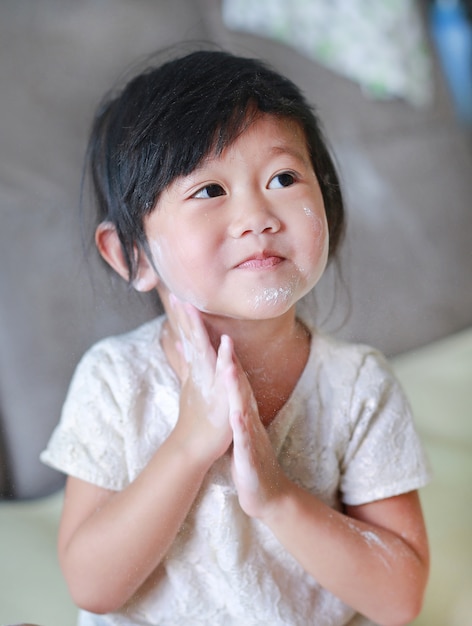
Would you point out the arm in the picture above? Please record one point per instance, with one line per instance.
(110, 542)
(374, 557)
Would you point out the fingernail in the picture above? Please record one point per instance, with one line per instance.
(225, 343)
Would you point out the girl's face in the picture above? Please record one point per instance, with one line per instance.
(245, 234)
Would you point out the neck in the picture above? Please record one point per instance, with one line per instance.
(253, 338)
(273, 353)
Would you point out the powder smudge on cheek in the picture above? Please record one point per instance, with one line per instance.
(173, 272)
(319, 225)
(158, 256)
(319, 230)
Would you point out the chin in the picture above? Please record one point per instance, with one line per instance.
(266, 303)
(273, 298)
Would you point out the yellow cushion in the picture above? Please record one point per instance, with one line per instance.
(32, 589)
(438, 382)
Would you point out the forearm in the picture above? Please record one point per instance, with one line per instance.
(370, 568)
(120, 544)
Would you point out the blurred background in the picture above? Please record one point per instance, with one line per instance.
(391, 82)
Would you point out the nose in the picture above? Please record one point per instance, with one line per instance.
(254, 217)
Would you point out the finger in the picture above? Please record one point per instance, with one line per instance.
(196, 345)
(224, 359)
(233, 389)
(240, 394)
(243, 468)
(199, 334)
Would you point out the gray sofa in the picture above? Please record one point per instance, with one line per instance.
(407, 260)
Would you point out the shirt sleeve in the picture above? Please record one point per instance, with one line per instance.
(384, 456)
(88, 442)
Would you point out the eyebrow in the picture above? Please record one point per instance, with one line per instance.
(276, 150)
(283, 149)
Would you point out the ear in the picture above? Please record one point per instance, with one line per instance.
(109, 246)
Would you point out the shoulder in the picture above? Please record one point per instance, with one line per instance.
(138, 339)
(355, 380)
(123, 365)
(369, 417)
(347, 361)
(128, 350)
(121, 389)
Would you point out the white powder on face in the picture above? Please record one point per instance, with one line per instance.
(319, 225)
(171, 269)
(273, 295)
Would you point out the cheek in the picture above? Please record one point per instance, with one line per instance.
(315, 232)
(316, 222)
(164, 257)
(168, 259)
(177, 269)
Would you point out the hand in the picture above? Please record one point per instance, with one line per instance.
(257, 474)
(204, 409)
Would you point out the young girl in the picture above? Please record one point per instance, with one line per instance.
(229, 464)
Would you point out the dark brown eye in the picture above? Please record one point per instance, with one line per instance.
(285, 179)
(210, 191)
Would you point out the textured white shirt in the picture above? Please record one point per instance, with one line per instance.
(345, 434)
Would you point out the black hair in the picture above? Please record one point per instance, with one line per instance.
(167, 119)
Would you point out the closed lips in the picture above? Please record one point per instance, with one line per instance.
(261, 261)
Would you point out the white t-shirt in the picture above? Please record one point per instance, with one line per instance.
(345, 434)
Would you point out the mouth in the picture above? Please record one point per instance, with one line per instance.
(261, 261)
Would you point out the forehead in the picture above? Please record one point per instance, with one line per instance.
(266, 133)
(263, 138)
(266, 140)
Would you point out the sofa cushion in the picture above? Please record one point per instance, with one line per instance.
(57, 58)
(437, 379)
